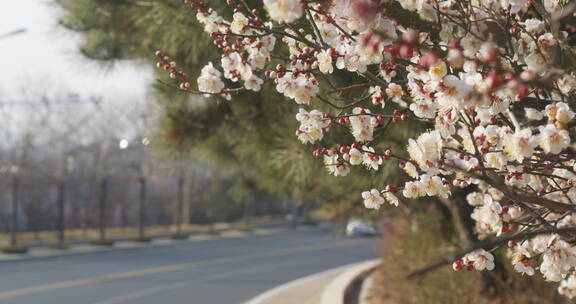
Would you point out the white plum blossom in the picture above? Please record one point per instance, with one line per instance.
(559, 113)
(411, 170)
(325, 62)
(480, 259)
(301, 89)
(391, 198)
(520, 260)
(210, 80)
(284, 10)
(514, 5)
(413, 190)
(312, 126)
(567, 83)
(351, 60)
(471, 45)
(426, 149)
(372, 199)
(533, 114)
(253, 83)
(488, 216)
(497, 160)
(362, 124)
(355, 157)
(534, 26)
(336, 166)
(438, 71)
(377, 96)
(568, 287)
(553, 140)
(536, 62)
(234, 68)
(558, 258)
(524, 267)
(475, 198)
(351, 19)
(520, 145)
(395, 92)
(210, 20)
(433, 185)
(239, 23)
(424, 109)
(371, 160)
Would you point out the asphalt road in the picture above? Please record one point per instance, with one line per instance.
(217, 271)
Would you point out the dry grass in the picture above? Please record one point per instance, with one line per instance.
(49, 237)
(410, 244)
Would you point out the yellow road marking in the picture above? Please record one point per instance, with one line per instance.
(162, 269)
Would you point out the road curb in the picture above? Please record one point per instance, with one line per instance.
(269, 294)
(128, 246)
(335, 292)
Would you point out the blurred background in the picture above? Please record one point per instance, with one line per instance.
(115, 188)
(106, 174)
(80, 135)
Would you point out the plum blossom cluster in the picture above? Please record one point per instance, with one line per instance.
(373, 199)
(492, 82)
(476, 260)
(313, 125)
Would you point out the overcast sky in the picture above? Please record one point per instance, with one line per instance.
(45, 59)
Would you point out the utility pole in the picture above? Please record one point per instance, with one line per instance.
(66, 168)
(180, 203)
(14, 211)
(102, 208)
(61, 227)
(142, 208)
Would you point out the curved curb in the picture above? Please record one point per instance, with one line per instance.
(263, 297)
(335, 292)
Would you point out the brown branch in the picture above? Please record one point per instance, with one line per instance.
(519, 196)
(486, 244)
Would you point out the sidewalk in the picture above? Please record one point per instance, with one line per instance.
(46, 252)
(119, 234)
(307, 290)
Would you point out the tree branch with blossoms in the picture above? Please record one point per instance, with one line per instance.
(493, 81)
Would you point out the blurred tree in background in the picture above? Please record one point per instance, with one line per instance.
(250, 135)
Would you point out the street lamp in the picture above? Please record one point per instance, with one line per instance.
(123, 144)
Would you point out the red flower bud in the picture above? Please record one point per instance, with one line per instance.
(332, 52)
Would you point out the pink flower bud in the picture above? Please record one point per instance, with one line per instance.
(411, 36)
(454, 44)
(406, 51)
